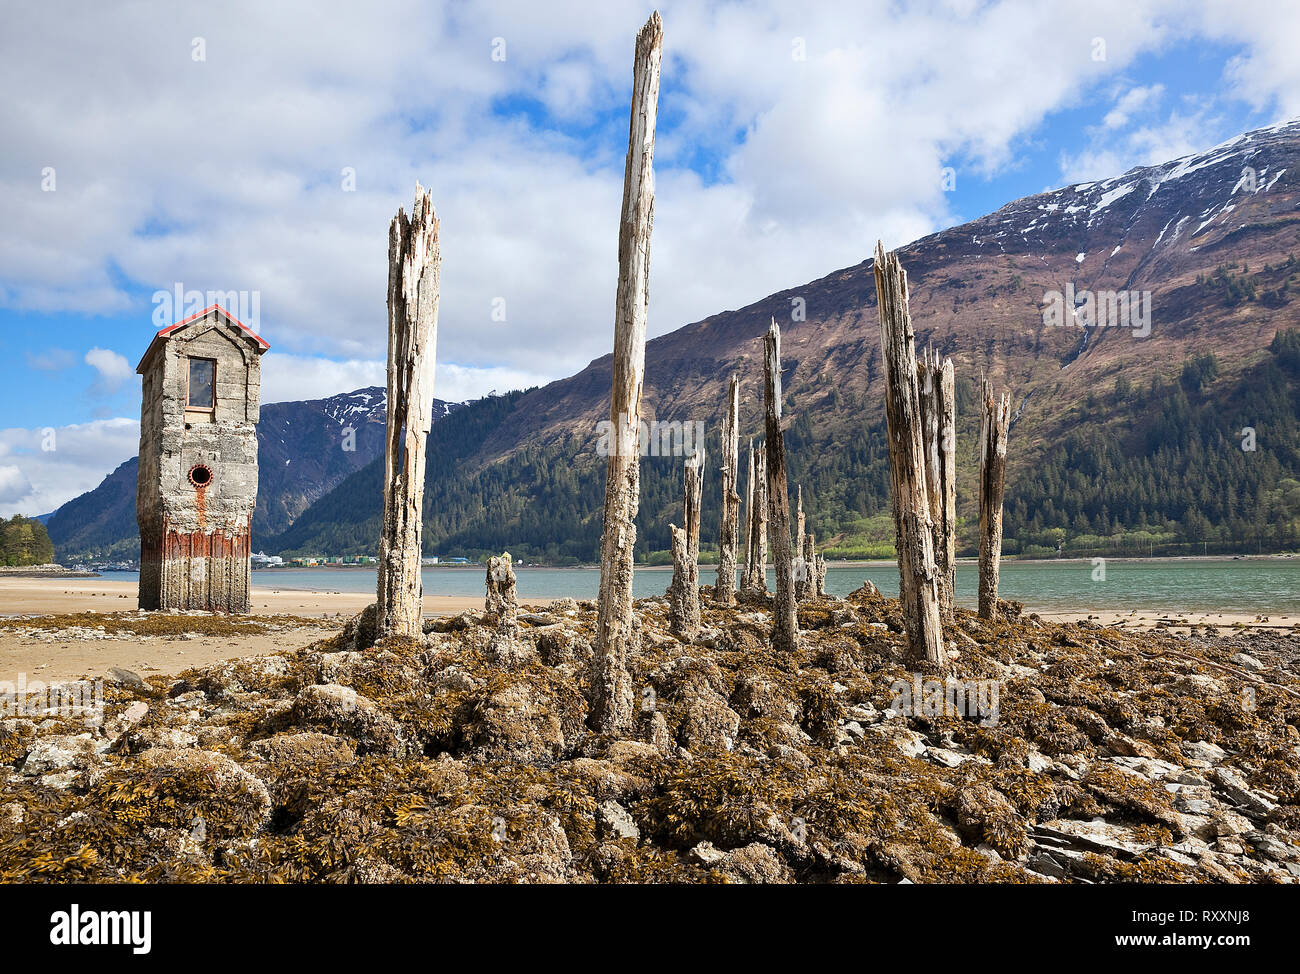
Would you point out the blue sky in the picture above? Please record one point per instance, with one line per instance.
(224, 165)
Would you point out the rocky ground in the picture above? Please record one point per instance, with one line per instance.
(1112, 757)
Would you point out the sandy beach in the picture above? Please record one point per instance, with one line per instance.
(65, 656)
(39, 596)
(61, 654)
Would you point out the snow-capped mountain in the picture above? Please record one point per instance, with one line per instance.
(305, 450)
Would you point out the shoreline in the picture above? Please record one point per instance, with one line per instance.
(37, 597)
(830, 562)
(76, 649)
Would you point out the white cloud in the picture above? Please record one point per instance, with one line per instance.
(43, 469)
(226, 173)
(113, 369)
(13, 485)
(1132, 101)
(289, 378)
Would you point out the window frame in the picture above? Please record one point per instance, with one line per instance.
(189, 374)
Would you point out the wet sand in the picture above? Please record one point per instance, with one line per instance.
(322, 613)
(44, 596)
(43, 658)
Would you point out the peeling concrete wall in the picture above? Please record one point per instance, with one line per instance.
(195, 536)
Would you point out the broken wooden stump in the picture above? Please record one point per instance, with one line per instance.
(938, 420)
(800, 523)
(414, 269)
(918, 576)
(804, 582)
(809, 567)
(728, 534)
(993, 465)
(810, 571)
(505, 647)
(501, 600)
(616, 635)
(755, 580)
(684, 593)
(785, 625)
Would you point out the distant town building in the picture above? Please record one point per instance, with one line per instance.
(262, 560)
(197, 484)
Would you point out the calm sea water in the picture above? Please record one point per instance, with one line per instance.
(1249, 585)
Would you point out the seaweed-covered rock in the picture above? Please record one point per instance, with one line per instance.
(1110, 757)
(341, 710)
(708, 724)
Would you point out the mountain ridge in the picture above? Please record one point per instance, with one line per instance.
(521, 471)
(977, 293)
(304, 452)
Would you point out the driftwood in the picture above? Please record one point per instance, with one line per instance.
(611, 684)
(785, 624)
(684, 593)
(725, 589)
(939, 423)
(918, 577)
(414, 269)
(993, 466)
(756, 544)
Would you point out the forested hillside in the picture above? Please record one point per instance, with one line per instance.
(1162, 467)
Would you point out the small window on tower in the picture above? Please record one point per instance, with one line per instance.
(203, 380)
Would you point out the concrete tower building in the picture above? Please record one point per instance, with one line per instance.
(197, 490)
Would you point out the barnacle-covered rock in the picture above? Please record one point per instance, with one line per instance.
(63, 752)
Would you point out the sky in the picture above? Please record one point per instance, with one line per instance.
(260, 150)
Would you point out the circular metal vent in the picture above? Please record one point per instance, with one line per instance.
(201, 475)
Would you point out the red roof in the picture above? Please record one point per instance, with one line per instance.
(263, 345)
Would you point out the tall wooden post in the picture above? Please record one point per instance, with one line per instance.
(414, 270)
(725, 588)
(918, 581)
(993, 466)
(611, 691)
(684, 595)
(756, 551)
(800, 523)
(939, 418)
(785, 628)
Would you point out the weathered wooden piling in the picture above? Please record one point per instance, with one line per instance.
(918, 576)
(611, 689)
(505, 647)
(938, 419)
(414, 270)
(812, 568)
(728, 534)
(993, 466)
(800, 523)
(756, 547)
(501, 599)
(684, 593)
(785, 625)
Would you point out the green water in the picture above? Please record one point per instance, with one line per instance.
(1266, 585)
